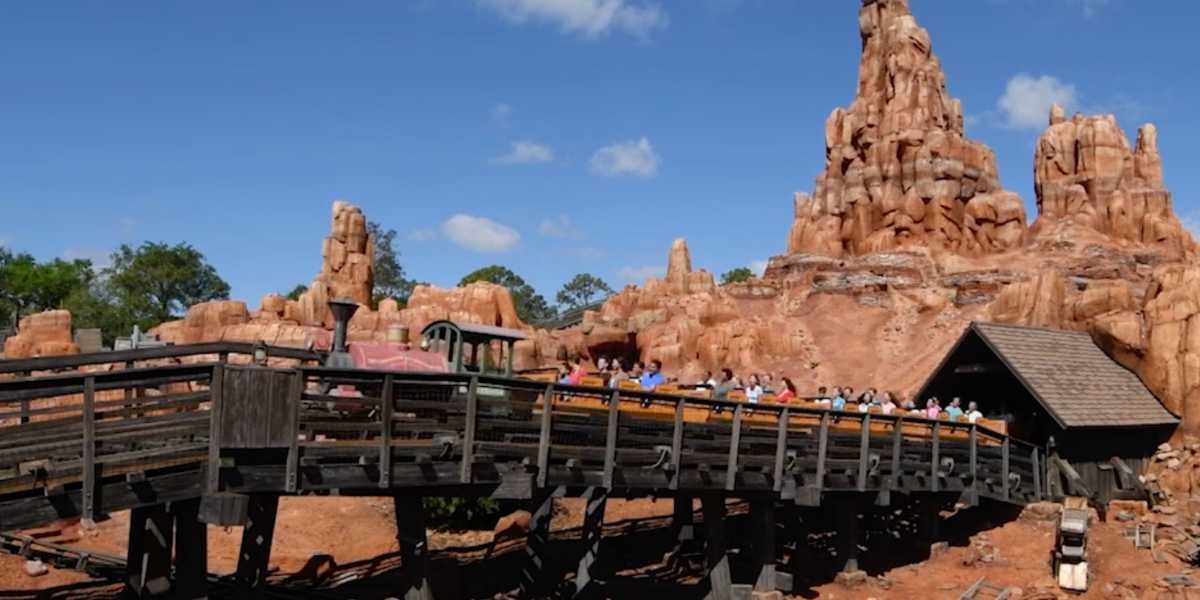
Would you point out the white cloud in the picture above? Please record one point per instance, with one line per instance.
(525, 152)
(424, 234)
(1026, 100)
(561, 228)
(480, 234)
(759, 267)
(101, 259)
(635, 158)
(639, 274)
(501, 112)
(589, 18)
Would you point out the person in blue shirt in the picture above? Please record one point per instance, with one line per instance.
(955, 411)
(839, 399)
(653, 376)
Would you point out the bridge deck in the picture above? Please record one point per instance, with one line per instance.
(87, 443)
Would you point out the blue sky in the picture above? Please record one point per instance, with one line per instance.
(551, 136)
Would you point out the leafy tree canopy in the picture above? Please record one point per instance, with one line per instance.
(531, 306)
(584, 289)
(157, 281)
(737, 275)
(29, 286)
(296, 292)
(390, 281)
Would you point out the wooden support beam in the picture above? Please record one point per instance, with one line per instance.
(468, 451)
(213, 474)
(928, 522)
(897, 445)
(735, 443)
(387, 399)
(295, 392)
(677, 445)
(257, 537)
(845, 509)
(973, 440)
(191, 551)
(683, 525)
(1004, 468)
(762, 517)
(544, 435)
(864, 453)
(781, 432)
(593, 529)
(822, 450)
(88, 497)
(535, 572)
(151, 535)
(716, 548)
(1037, 473)
(414, 547)
(610, 438)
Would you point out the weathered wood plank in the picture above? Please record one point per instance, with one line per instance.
(89, 449)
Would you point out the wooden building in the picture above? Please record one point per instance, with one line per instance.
(1058, 389)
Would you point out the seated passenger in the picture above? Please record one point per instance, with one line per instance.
(710, 380)
(789, 392)
(954, 411)
(839, 399)
(575, 377)
(602, 365)
(932, 408)
(822, 396)
(973, 413)
(888, 406)
(724, 386)
(636, 372)
(617, 373)
(653, 377)
(911, 408)
(754, 390)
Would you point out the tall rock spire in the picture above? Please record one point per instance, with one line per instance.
(898, 169)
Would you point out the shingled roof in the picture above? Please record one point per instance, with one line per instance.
(1076, 382)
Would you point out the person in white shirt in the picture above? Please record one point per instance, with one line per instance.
(973, 413)
(889, 406)
(754, 390)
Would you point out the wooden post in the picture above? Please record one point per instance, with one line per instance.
(1037, 475)
(295, 394)
(215, 392)
(864, 452)
(1004, 468)
(610, 443)
(149, 556)
(974, 461)
(535, 570)
(845, 510)
(928, 520)
(468, 451)
(191, 551)
(897, 446)
(716, 548)
(544, 436)
(593, 526)
(735, 442)
(677, 445)
(414, 547)
(257, 536)
(387, 400)
(88, 494)
(935, 458)
(781, 433)
(762, 516)
(683, 521)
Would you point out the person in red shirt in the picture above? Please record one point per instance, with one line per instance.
(789, 392)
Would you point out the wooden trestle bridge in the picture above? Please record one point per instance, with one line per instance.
(186, 438)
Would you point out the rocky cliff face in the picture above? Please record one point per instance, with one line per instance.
(42, 334)
(899, 170)
(1086, 173)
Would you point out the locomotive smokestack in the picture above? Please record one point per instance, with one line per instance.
(343, 309)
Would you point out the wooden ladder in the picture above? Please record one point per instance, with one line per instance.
(982, 590)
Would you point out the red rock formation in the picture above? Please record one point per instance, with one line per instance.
(899, 170)
(42, 334)
(1085, 172)
(347, 266)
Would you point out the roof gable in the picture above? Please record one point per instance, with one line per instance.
(1072, 378)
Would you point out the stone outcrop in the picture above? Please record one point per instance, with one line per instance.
(42, 334)
(899, 170)
(1085, 171)
(347, 266)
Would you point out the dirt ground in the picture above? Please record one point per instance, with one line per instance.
(346, 530)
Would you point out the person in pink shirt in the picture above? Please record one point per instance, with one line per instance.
(932, 408)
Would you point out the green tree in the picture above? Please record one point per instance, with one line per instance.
(390, 281)
(95, 306)
(28, 286)
(582, 291)
(531, 306)
(737, 275)
(296, 292)
(157, 281)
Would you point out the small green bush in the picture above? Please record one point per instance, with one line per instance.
(453, 512)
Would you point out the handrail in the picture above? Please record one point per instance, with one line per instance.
(68, 361)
